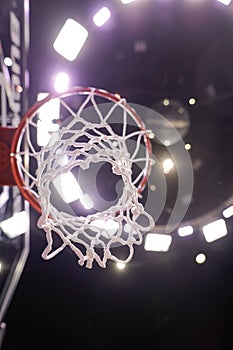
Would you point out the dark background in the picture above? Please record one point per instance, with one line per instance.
(161, 301)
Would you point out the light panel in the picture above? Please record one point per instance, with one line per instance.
(185, 231)
(127, 1)
(61, 82)
(214, 230)
(102, 16)
(47, 113)
(70, 39)
(16, 225)
(157, 242)
(228, 212)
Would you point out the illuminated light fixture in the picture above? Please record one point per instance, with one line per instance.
(167, 143)
(185, 231)
(102, 16)
(166, 102)
(127, 1)
(225, 2)
(120, 265)
(192, 101)
(47, 114)
(228, 212)
(151, 135)
(16, 225)
(1, 266)
(157, 242)
(200, 258)
(214, 230)
(167, 165)
(187, 146)
(67, 187)
(8, 61)
(70, 39)
(109, 225)
(61, 82)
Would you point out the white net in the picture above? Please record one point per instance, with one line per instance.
(93, 133)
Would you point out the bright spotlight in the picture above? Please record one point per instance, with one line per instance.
(185, 231)
(70, 39)
(200, 258)
(214, 230)
(228, 212)
(192, 101)
(8, 61)
(61, 82)
(167, 165)
(225, 2)
(157, 242)
(16, 225)
(120, 265)
(127, 1)
(102, 16)
(109, 225)
(67, 187)
(47, 114)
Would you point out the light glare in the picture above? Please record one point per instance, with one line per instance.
(102, 16)
(224, 2)
(228, 212)
(67, 187)
(120, 265)
(8, 61)
(192, 101)
(214, 230)
(61, 82)
(200, 258)
(16, 225)
(185, 231)
(157, 242)
(47, 113)
(127, 1)
(167, 165)
(70, 39)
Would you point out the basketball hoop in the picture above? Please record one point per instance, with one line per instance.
(94, 127)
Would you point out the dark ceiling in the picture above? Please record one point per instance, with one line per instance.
(162, 301)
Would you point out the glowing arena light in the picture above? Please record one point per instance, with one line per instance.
(185, 231)
(8, 61)
(16, 225)
(127, 1)
(157, 242)
(192, 101)
(47, 113)
(67, 187)
(228, 212)
(166, 102)
(61, 82)
(110, 226)
(214, 230)
(120, 265)
(200, 258)
(225, 2)
(70, 39)
(102, 16)
(167, 165)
